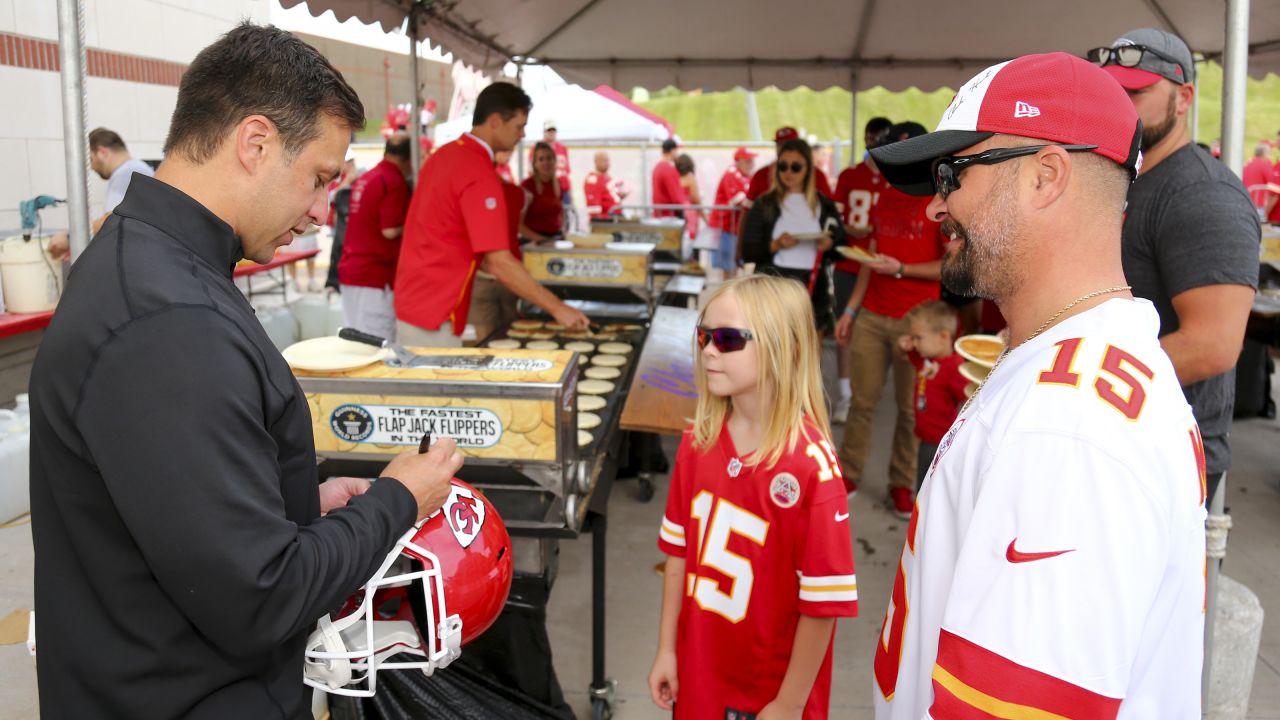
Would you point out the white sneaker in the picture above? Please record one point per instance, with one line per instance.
(841, 411)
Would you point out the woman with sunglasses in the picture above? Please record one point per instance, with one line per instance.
(544, 218)
(791, 229)
(757, 520)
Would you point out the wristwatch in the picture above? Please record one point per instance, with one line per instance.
(902, 267)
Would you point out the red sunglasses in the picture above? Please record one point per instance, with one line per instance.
(726, 339)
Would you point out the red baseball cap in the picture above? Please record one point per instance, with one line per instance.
(1055, 97)
(785, 133)
(743, 154)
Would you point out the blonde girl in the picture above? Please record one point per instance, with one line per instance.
(760, 557)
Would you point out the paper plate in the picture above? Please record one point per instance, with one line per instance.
(974, 372)
(855, 252)
(981, 349)
(331, 354)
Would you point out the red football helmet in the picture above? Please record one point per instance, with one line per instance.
(461, 556)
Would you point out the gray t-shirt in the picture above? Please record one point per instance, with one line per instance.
(1190, 223)
(119, 182)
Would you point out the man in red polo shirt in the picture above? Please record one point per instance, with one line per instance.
(371, 246)
(666, 182)
(763, 179)
(600, 191)
(458, 224)
(905, 273)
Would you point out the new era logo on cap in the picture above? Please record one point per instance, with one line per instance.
(1025, 110)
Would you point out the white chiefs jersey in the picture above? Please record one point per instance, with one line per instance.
(1054, 564)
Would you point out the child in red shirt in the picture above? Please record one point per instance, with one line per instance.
(940, 388)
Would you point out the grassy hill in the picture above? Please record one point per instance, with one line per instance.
(827, 113)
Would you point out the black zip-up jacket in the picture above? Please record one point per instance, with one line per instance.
(180, 557)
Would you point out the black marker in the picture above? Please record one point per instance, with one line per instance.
(425, 445)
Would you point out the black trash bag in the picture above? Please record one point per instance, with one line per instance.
(457, 692)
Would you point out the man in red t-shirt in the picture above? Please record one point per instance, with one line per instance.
(601, 190)
(458, 224)
(856, 193)
(732, 190)
(909, 250)
(1272, 208)
(371, 245)
(763, 179)
(666, 181)
(1257, 172)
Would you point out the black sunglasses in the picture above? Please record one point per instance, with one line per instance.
(947, 169)
(726, 339)
(795, 167)
(1127, 56)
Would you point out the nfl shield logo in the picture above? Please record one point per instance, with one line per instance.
(465, 515)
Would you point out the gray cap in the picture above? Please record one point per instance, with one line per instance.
(1171, 59)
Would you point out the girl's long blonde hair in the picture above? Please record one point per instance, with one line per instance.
(780, 317)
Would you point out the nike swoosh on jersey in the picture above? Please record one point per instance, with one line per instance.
(841, 517)
(1014, 555)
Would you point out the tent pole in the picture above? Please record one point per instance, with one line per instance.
(71, 55)
(415, 110)
(753, 116)
(853, 119)
(1235, 68)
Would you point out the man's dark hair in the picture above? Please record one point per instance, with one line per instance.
(669, 145)
(502, 98)
(102, 137)
(877, 125)
(400, 145)
(258, 70)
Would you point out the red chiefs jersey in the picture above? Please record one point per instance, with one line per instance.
(903, 231)
(517, 199)
(1273, 188)
(761, 547)
(856, 193)
(763, 180)
(601, 197)
(732, 190)
(939, 395)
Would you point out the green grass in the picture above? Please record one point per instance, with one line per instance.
(722, 116)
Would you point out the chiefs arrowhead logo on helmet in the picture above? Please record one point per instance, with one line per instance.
(442, 585)
(465, 515)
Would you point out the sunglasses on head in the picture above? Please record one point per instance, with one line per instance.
(1127, 56)
(795, 167)
(947, 169)
(726, 339)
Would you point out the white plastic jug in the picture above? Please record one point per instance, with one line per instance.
(280, 324)
(312, 312)
(15, 458)
(22, 406)
(335, 316)
(31, 280)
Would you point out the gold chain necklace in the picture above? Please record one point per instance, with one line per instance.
(1047, 324)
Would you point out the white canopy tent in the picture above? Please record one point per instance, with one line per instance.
(579, 114)
(720, 44)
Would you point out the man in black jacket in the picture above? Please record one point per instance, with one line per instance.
(183, 552)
